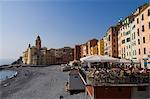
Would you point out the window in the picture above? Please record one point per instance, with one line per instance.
(143, 39)
(149, 25)
(148, 12)
(124, 49)
(128, 39)
(139, 52)
(114, 51)
(114, 40)
(144, 50)
(75, 76)
(142, 16)
(127, 32)
(113, 34)
(135, 52)
(142, 28)
(123, 41)
(139, 41)
(134, 35)
(137, 20)
(109, 38)
(129, 46)
(138, 32)
(133, 27)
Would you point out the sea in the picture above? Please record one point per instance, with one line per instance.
(4, 74)
(6, 61)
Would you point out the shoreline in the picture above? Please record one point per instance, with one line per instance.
(37, 83)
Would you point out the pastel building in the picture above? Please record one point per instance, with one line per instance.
(111, 41)
(92, 46)
(105, 45)
(84, 50)
(124, 41)
(142, 24)
(100, 47)
(94, 50)
(77, 52)
(134, 36)
(37, 55)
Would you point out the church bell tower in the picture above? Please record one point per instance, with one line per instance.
(38, 42)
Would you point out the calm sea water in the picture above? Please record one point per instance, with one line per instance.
(6, 61)
(4, 74)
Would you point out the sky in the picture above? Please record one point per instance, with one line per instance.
(58, 22)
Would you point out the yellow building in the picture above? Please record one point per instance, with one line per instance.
(94, 50)
(100, 46)
(35, 55)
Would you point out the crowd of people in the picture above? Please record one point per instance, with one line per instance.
(123, 74)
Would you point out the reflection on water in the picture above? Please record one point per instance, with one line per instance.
(4, 74)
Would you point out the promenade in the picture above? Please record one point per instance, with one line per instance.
(38, 83)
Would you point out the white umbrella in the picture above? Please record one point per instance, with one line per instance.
(93, 58)
(99, 58)
(125, 61)
(135, 61)
(84, 58)
(107, 58)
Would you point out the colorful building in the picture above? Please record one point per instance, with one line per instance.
(77, 52)
(36, 55)
(94, 50)
(91, 44)
(142, 24)
(111, 41)
(134, 36)
(84, 50)
(124, 41)
(100, 46)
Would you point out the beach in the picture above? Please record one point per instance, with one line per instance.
(38, 83)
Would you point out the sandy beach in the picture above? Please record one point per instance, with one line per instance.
(38, 83)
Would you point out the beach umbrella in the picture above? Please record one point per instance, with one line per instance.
(99, 58)
(93, 58)
(107, 58)
(125, 61)
(135, 61)
(84, 58)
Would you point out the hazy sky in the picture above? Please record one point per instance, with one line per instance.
(58, 22)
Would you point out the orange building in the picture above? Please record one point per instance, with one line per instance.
(92, 44)
(84, 50)
(111, 41)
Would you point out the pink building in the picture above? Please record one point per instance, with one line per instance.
(142, 24)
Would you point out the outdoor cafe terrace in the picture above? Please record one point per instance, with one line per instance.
(109, 70)
(116, 76)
